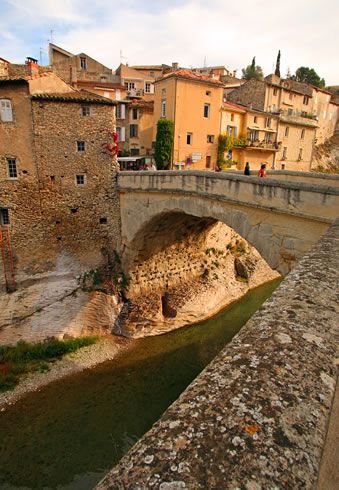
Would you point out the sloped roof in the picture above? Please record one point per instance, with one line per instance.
(142, 104)
(191, 75)
(76, 96)
(125, 71)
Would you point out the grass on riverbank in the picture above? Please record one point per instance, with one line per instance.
(24, 357)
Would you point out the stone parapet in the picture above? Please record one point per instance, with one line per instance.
(307, 200)
(256, 417)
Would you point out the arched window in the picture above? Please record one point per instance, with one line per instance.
(6, 114)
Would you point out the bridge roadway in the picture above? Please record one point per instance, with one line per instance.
(256, 418)
(282, 218)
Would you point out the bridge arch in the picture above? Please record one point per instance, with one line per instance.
(277, 218)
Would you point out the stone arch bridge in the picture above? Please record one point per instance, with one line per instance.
(282, 216)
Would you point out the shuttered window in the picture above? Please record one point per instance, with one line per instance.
(6, 114)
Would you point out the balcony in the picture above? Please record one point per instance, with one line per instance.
(135, 92)
(261, 145)
(298, 117)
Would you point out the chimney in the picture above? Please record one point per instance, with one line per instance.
(175, 66)
(3, 68)
(32, 66)
(235, 73)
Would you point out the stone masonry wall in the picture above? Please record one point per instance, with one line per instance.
(82, 220)
(251, 93)
(56, 225)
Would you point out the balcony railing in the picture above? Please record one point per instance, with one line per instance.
(135, 93)
(264, 145)
(293, 112)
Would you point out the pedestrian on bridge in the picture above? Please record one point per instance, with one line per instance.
(262, 172)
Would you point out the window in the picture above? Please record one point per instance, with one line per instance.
(163, 108)
(302, 134)
(229, 130)
(306, 99)
(130, 85)
(103, 220)
(268, 122)
(148, 87)
(134, 113)
(163, 92)
(208, 92)
(253, 135)
(210, 138)
(12, 170)
(275, 91)
(133, 130)
(290, 111)
(6, 114)
(121, 111)
(208, 161)
(4, 216)
(255, 119)
(232, 117)
(83, 63)
(117, 94)
(287, 130)
(284, 155)
(268, 137)
(85, 110)
(80, 179)
(206, 110)
(300, 156)
(189, 138)
(135, 151)
(121, 133)
(81, 146)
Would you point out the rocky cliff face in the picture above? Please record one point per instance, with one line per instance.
(326, 156)
(195, 275)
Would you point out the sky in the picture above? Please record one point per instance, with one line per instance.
(190, 32)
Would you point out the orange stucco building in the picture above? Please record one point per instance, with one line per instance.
(192, 101)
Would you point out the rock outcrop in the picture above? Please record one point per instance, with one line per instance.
(189, 280)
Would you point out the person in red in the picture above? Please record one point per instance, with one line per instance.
(262, 172)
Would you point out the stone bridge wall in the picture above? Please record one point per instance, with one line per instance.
(256, 417)
(281, 219)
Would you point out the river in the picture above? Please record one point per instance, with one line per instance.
(68, 435)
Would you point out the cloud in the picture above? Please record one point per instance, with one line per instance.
(187, 31)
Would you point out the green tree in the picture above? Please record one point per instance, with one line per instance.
(252, 71)
(308, 75)
(164, 144)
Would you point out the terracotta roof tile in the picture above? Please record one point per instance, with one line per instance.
(191, 75)
(76, 96)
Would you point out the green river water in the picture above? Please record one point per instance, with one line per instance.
(68, 435)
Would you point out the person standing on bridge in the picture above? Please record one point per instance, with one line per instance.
(262, 172)
(247, 170)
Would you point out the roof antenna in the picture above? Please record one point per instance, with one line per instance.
(122, 57)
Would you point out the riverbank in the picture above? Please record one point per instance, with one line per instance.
(106, 349)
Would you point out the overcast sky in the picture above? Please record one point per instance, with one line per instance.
(187, 31)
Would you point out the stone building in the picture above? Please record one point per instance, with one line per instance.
(193, 102)
(58, 207)
(305, 114)
(83, 72)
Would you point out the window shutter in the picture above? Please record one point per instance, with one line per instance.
(123, 111)
(151, 89)
(122, 134)
(235, 131)
(6, 110)
(117, 94)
